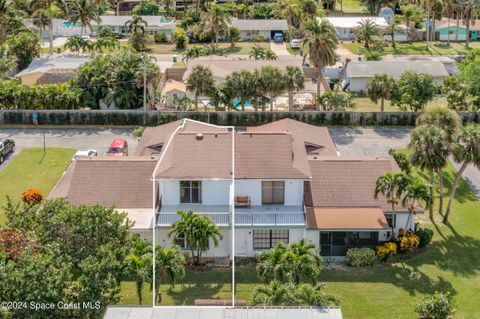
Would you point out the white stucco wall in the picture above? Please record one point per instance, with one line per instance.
(244, 240)
(360, 84)
(213, 192)
(253, 188)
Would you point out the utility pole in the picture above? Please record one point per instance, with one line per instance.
(144, 59)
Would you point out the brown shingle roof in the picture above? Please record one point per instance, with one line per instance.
(346, 218)
(308, 133)
(193, 157)
(347, 181)
(123, 183)
(270, 155)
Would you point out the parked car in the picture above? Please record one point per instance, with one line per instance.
(118, 147)
(278, 37)
(7, 146)
(295, 43)
(85, 153)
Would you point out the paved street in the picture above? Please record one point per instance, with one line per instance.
(91, 138)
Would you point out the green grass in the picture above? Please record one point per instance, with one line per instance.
(364, 104)
(223, 48)
(451, 262)
(416, 48)
(351, 6)
(30, 169)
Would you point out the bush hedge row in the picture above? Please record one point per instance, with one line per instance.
(151, 118)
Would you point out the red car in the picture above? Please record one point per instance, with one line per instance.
(118, 148)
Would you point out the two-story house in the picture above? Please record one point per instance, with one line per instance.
(280, 182)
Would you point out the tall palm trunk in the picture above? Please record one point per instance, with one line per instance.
(382, 104)
(448, 27)
(196, 102)
(440, 191)
(457, 31)
(139, 286)
(467, 38)
(290, 100)
(432, 181)
(50, 34)
(408, 30)
(393, 39)
(453, 191)
(271, 102)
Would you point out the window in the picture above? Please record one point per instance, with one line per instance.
(269, 238)
(391, 220)
(273, 192)
(190, 192)
(181, 242)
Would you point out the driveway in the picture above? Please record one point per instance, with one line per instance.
(88, 138)
(377, 142)
(279, 48)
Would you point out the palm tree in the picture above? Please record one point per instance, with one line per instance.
(169, 265)
(139, 263)
(415, 193)
(269, 54)
(289, 10)
(367, 30)
(392, 186)
(381, 87)
(466, 150)
(77, 44)
(448, 12)
(274, 82)
(83, 11)
(314, 296)
(215, 22)
(470, 12)
(410, 12)
(428, 4)
(47, 9)
(200, 82)
(319, 44)
(257, 52)
(430, 149)
(391, 29)
(449, 121)
(153, 74)
(294, 81)
(293, 263)
(274, 294)
(197, 230)
(136, 25)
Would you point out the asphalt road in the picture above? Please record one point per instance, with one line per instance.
(91, 138)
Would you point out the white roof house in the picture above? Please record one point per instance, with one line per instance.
(358, 73)
(222, 313)
(58, 65)
(260, 24)
(352, 22)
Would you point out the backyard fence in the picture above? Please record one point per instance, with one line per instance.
(152, 118)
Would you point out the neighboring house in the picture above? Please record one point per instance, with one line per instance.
(52, 69)
(223, 66)
(279, 182)
(171, 91)
(358, 73)
(443, 30)
(267, 28)
(155, 24)
(345, 27)
(114, 312)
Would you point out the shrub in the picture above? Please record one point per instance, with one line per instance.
(32, 196)
(424, 235)
(409, 243)
(360, 257)
(180, 39)
(436, 306)
(160, 37)
(402, 161)
(373, 56)
(138, 131)
(257, 38)
(386, 251)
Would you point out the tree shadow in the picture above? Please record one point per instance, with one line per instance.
(344, 135)
(390, 132)
(185, 294)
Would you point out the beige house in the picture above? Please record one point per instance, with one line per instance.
(57, 68)
(172, 91)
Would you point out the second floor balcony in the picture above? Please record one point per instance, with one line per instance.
(264, 215)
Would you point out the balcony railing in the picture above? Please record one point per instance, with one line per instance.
(243, 218)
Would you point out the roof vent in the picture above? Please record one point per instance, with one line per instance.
(199, 136)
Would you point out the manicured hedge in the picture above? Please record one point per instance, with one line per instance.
(152, 118)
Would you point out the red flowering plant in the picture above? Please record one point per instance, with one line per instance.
(32, 196)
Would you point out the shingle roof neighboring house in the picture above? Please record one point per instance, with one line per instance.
(152, 21)
(120, 182)
(367, 69)
(348, 218)
(260, 24)
(309, 134)
(347, 181)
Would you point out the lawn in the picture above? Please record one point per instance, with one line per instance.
(364, 104)
(416, 48)
(451, 263)
(350, 6)
(31, 169)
